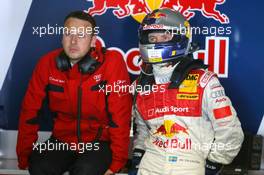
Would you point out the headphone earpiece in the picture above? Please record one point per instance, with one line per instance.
(87, 65)
(63, 62)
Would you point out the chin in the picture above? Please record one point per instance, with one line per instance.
(73, 56)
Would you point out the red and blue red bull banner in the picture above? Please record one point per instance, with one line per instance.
(230, 39)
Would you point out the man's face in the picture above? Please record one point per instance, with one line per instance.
(76, 41)
(159, 37)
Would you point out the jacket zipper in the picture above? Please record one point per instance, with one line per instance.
(79, 111)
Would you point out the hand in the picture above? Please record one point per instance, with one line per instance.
(109, 172)
(137, 156)
(212, 168)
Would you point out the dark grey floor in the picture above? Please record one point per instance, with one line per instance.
(9, 166)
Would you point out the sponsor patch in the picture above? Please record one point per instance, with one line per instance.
(205, 78)
(216, 85)
(153, 26)
(175, 143)
(52, 79)
(150, 112)
(171, 128)
(217, 94)
(190, 83)
(155, 60)
(187, 96)
(220, 100)
(172, 159)
(222, 124)
(171, 109)
(185, 160)
(155, 54)
(223, 112)
(97, 77)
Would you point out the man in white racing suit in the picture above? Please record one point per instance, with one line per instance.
(186, 125)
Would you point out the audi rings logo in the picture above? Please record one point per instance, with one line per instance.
(219, 93)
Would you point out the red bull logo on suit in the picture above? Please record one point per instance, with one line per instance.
(175, 143)
(171, 130)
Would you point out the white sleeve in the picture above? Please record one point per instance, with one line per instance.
(141, 130)
(228, 134)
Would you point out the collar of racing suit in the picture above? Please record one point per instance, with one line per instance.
(162, 73)
(176, 72)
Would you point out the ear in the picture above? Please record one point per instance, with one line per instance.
(93, 41)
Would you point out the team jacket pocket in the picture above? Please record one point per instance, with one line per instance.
(58, 100)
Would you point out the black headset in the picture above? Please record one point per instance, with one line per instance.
(87, 65)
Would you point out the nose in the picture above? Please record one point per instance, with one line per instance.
(74, 39)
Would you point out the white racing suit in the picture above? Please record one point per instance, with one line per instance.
(180, 128)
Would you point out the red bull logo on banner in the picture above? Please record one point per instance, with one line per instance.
(217, 48)
(157, 15)
(206, 7)
(216, 55)
(139, 8)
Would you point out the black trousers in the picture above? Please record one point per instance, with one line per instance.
(53, 161)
